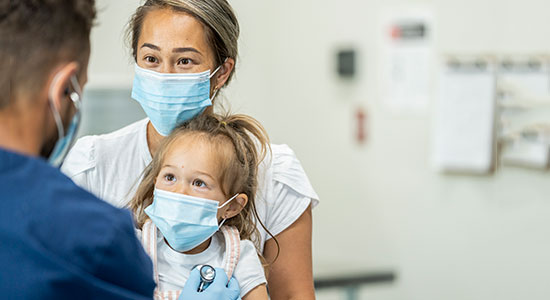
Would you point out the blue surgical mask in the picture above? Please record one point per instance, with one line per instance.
(170, 99)
(66, 139)
(184, 221)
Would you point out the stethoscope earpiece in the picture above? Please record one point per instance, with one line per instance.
(74, 96)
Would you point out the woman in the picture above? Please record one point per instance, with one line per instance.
(198, 37)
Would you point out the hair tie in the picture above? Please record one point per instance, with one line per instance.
(224, 124)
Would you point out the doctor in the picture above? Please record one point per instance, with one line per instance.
(59, 241)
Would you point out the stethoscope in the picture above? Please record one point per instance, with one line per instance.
(207, 273)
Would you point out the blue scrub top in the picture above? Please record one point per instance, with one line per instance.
(58, 241)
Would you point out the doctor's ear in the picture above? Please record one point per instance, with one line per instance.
(223, 73)
(236, 206)
(60, 83)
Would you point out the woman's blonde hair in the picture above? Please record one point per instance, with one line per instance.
(219, 21)
(243, 143)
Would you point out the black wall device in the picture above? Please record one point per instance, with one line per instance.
(346, 63)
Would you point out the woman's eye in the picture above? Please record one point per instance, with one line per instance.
(184, 61)
(199, 183)
(150, 59)
(169, 177)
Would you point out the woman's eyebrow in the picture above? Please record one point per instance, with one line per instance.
(185, 49)
(154, 47)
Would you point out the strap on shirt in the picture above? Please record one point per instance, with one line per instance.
(232, 249)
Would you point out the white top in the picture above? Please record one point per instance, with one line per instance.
(174, 267)
(110, 167)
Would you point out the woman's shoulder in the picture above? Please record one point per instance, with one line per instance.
(285, 168)
(284, 191)
(89, 150)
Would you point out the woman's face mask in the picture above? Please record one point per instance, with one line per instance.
(170, 99)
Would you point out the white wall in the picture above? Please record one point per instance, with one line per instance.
(110, 64)
(382, 206)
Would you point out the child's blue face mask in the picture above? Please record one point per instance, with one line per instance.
(170, 99)
(185, 221)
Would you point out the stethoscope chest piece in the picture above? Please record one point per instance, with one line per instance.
(207, 273)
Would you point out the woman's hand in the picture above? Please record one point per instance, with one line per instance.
(218, 289)
(291, 275)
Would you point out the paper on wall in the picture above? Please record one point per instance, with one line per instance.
(465, 118)
(524, 80)
(406, 56)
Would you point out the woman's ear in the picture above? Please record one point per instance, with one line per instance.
(223, 73)
(236, 206)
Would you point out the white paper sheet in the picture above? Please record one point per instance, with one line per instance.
(526, 153)
(524, 82)
(406, 59)
(464, 133)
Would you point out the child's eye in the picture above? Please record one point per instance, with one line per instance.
(199, 183)
(170, 177)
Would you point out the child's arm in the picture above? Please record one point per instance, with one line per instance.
(257, 293)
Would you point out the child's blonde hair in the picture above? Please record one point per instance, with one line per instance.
(239, 172)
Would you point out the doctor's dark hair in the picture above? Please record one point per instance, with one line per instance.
(242, 144)
(36, 36)
(217, 17)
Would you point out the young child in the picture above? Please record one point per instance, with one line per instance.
(198, 192)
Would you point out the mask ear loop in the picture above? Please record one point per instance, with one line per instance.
(214, 95)
(221, 206)
(218, 68)
(213, 73)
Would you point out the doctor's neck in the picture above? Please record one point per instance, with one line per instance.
(21, 128)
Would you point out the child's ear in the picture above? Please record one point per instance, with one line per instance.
(236, 206)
